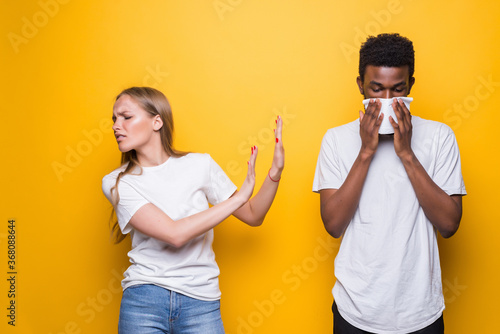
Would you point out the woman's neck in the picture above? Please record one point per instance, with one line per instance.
(151, 159)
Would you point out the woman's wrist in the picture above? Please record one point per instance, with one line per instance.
(238, 199)
(274, 174)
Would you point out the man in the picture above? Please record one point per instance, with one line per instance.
(388, 196)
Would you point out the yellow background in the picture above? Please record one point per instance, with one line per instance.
(228, 67)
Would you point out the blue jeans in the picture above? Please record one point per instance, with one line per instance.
(150, 309)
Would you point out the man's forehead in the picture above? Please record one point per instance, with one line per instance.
(382, 73)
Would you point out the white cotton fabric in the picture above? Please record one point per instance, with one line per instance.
(180, 187)
(387, 268)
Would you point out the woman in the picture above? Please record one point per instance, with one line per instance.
(161, 197)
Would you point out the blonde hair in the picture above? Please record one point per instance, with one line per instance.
(155, 103)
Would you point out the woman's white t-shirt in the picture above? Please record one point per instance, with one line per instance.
(180, 187)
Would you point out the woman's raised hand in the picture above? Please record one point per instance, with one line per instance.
(254, 210)
(279, 152)
(246, 189)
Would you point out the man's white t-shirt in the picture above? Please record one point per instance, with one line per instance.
(387, 268)
(180, 187)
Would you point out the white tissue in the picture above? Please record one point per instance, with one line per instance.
(386, 109)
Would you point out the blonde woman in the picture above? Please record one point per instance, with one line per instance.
(161, 198)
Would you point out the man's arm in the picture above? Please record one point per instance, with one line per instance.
(442, 210)
(339, 205)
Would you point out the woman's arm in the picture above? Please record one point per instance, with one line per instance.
(254, 211)
(152, 221)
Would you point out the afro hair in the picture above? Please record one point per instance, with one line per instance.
(387, 50)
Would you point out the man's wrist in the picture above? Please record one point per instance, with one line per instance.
(407, 158)
(366, 155)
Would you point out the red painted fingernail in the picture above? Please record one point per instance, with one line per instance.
(276, 121)
(277, 140)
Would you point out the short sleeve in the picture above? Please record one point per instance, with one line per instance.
(327, 175)
(219, 187)
(448, 171)
(130, 201)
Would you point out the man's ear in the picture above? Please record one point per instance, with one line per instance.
(410, 84)
(360, 85)
(157, 123)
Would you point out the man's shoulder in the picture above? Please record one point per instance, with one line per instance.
(344, 129)
(343, 137)
(425, 126)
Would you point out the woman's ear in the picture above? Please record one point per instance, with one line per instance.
(157, 123)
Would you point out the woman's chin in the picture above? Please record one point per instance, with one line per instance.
(124, 149)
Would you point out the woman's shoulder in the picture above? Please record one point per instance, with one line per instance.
(194, 157)
(114, 173)
(193, 162)
(109, 180)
